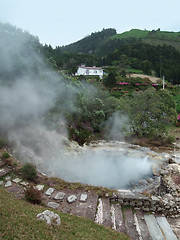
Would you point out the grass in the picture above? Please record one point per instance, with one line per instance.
(133, 33)
(18, 222)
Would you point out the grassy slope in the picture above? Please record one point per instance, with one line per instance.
(133, 33)
(156, 38)
(18, 221)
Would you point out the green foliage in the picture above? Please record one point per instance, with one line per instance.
(5, 155)
(29, 172)
(110, 80)
(149, 112)
(33, 195)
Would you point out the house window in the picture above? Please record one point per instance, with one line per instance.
(87, 72)
(95, 71)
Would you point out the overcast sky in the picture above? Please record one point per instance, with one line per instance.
(59, 22)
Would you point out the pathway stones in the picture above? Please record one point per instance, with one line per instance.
(53, 205)
(8, 184)
(25, 184)
(59, 196)
(4, 171)
(153, 227)
(39, 187)
(49, 191)
(7, 178)
(17, 180)
(166, 229)
(71, 198)
(83, 197)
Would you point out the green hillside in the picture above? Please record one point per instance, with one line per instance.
(133, 33)
(154, 37)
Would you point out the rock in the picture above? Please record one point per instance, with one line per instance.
(8, 184)
(155, 199)
(49, 217)
(39, 187)
(25, 184)
(1, 183)
(83, 197)
(7, 178)
(71, 198)
(53, 205)
(59, 196)
(49, 191)
(17, 180)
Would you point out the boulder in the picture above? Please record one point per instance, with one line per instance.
(83, 197)
(49, 191)
(53, 205)
(71, 198)
(49, 217)
(59, 196)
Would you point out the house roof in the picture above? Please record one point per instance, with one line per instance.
(95, 68)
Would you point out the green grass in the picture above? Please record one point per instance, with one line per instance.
(18, 222)
(133, 33)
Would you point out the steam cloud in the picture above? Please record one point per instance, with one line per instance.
(25, 99)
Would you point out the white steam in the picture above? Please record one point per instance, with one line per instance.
(24, 101)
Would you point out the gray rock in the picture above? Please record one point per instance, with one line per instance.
(17, 180)
(8, 184)
(39, 187)
(49, 217)
(71, 198)
(7, 178)
(59, 196)
(83, 197)
(49, 191)
(53, 205)
(25, 184)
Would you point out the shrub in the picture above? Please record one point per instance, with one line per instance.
(29, 172)
(33, 195)
(5, 155)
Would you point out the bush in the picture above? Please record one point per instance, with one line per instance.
(33, 195)
(5, 155)
(29, 172)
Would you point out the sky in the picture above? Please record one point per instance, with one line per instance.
(59, 22)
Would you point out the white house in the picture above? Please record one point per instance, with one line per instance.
(90, 71)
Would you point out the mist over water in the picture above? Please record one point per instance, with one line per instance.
(25, 100)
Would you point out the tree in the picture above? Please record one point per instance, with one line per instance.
(149, 112)
(110, 80)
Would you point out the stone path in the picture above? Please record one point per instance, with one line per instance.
(136, 223)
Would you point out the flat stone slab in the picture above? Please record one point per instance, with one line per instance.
(83, 197)
(7, 178)
(4, 171)
(49, 191)
(128, 194)
(53, 205)
(16, 180)
(166, 229)
(8, 184)
(59, 196)
(153, 227)
(25, 184)
(39, 187)
(71, 198)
